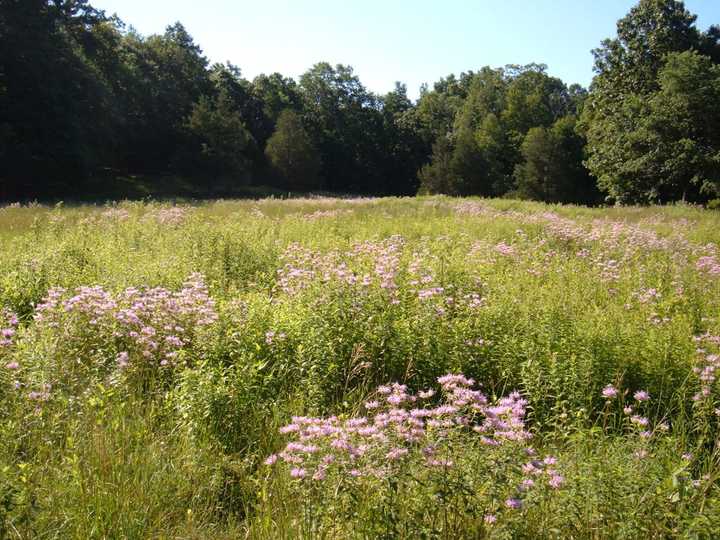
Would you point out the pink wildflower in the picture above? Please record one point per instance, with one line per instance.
(609, 391)
(396, 453)
(556, 481)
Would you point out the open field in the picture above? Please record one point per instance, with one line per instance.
(266, 369)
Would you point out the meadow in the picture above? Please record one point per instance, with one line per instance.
(427, 367)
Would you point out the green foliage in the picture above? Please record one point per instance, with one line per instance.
(343, 117)
(552, 169)
(226, 142)
(292, 154)
(438, 176)
(52, 84)
(87, 104)
(163, 77)
(646, 117)
(489, 126)
(467, 165)
(682, 114)
(533, 99)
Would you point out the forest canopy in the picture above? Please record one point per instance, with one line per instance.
(84, 99)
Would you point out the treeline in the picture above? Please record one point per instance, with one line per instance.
(83, 97)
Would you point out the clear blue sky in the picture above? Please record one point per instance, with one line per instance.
(387, 40)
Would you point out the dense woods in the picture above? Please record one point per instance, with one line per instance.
(85, 99)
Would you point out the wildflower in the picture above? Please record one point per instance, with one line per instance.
(396, 453)
(442, 463)
(122, 359)
(513, 503)
(527, 484)
(490, 519)
(609, 391)
(364, 446)
(444, 409)
(320, 473)
(505, 249)
(356, 422)
(556, 481)
(687, 456)
(12, 365)
(270, 460)
(450, 381)
(628, 409)
(289, 428)
(340, 444)
(43, 395)
(641, 395)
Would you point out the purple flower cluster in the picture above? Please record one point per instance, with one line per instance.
(398, 429)
(609, 392)
(115, 214)
(377, 263)
(152, 324)
(610, 234)
(380, 267)
(708, 364)
(605, 243)
(638, 423)
(708, 264)
(271, 336)
(322, 214)
(40, 395)
(8, 327)
(505, 249)
(8, 330)
(172, 216)
(645, 296)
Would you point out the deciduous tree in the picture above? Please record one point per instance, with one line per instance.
(292, 155)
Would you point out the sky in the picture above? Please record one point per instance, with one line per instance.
(412, 41)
